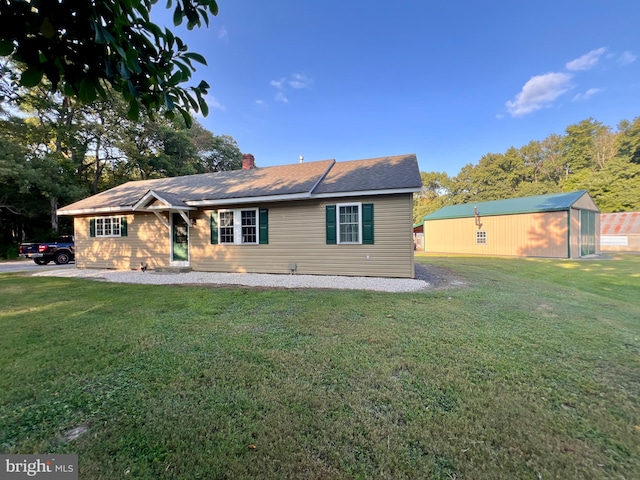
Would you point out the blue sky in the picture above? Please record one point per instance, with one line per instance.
(449, 80)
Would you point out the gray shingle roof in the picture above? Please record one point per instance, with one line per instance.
(384, 173)
(286, 182)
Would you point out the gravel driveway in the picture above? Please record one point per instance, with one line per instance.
(249, 279)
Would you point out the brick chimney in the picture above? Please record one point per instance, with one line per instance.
(248, 161)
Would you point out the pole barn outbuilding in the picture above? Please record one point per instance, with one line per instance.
(558, 225)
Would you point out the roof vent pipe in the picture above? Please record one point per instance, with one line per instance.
(301, 158)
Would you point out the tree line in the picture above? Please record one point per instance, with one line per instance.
(588, 156)
(56, 149)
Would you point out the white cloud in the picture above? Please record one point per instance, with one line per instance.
(586, 95)
(281, 98)
(299, 80)
(627, 58)
(278, 83)
(586, 61)
(223, 34)
(540, 91)
(260, 102)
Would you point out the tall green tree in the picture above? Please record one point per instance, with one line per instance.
(219, 153)
(628, 140)
(580, 151)
(432, 196)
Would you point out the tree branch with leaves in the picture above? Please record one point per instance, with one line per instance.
(84, 47)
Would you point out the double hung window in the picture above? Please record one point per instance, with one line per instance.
(108, 227)
(349, 223)
(239, 226)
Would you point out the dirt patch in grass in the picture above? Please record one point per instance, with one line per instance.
(440, 278)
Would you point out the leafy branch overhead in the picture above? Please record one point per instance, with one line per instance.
(84, 46)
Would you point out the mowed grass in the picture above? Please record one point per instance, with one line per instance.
(530, 371)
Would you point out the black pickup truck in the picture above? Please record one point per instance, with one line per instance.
(61, 251)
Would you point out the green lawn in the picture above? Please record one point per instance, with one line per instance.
(530, 371)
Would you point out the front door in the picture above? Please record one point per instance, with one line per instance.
(180, 239)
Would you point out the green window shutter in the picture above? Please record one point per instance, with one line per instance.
(367, 223)
(264, 226)
(214, 227)
(123, 227)
(92, 227)
(331, 224)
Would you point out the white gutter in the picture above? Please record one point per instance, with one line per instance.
(242, 200)
(88, 211)
(363, 193)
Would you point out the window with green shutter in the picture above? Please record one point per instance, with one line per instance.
(349, 223)
(240, 226)
(108, 227)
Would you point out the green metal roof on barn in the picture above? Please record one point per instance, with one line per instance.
(551, 202)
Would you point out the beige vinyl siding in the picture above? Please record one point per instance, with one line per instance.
(297, 234)
(575, 234)
(523, 235)
(147, 241)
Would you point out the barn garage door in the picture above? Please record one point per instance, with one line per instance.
(587, 233)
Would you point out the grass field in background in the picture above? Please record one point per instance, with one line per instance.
(530, 371)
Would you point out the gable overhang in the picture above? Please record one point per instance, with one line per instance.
(165, 203)
(157, 202)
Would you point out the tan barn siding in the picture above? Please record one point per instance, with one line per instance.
(575, 233)
(297, 235)
(585, 202)
(529, 235)
(147, 240)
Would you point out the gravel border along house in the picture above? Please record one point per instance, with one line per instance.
(420, 283)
